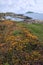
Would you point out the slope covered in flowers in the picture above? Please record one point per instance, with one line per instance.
(18, 46)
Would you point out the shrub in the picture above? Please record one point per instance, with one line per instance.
(16, 32)
(6, 63)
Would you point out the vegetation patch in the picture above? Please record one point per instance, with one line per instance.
(17, 32)
(20, 44)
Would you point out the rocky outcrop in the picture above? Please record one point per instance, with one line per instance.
(14, 15)
(20, 16)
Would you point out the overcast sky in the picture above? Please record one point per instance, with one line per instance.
(21, 6)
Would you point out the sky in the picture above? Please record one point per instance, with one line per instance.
(21, 6)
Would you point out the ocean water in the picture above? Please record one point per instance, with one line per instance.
(38, 16)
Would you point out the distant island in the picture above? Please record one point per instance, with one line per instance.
(29, 12)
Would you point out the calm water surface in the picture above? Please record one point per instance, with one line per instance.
(38, 16)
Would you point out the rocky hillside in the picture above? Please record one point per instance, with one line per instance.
(3, 15)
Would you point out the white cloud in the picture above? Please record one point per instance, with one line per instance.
(19, 6)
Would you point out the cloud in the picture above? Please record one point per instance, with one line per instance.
(5, 2)
(21, 6)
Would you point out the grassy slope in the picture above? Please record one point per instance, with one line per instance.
(36, 29)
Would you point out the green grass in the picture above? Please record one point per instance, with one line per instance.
(6, 63)
(16, 32)
(36, 29)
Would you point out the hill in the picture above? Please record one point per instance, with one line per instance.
(18, 44)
